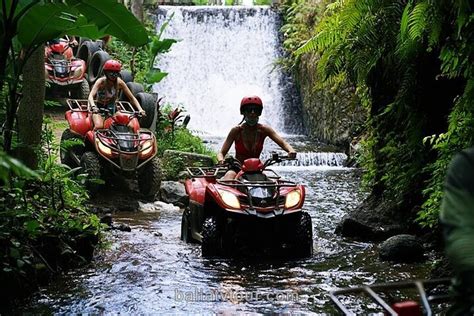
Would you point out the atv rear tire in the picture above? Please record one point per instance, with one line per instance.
(185, 228)
(90, 164)
(149, 178)
(65, 151)
(96, 65)
(210, 238)
(148, 103)
(304, 236)
(135, 88)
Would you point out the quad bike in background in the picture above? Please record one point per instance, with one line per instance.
(404, 298)
(121, 147)
(257, 208)
(64, 74)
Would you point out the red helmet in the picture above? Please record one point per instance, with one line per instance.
(112, 65)
(250, 100)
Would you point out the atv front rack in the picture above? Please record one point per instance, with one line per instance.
(82, 105)
(205, 172)
(406, 307)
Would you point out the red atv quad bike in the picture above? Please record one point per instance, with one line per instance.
(64, 73)
(256, 209)
(115, 149)
(404, 298)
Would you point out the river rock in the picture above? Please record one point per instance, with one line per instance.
(174, 193)
(402, 248)
(355, 228)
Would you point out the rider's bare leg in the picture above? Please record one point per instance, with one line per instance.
(230, 175)
(98, 121)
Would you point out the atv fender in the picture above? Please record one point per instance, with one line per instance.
(80, 122)
(196, 189)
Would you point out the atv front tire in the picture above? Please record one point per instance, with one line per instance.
(304, 236)
(149, 178)
(90, 164)
(210, 238)
(66, 151)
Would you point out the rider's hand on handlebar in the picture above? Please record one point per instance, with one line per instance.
(95, 109)
(142, 112)
(292, 155)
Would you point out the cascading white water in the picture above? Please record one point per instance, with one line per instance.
(224, 53)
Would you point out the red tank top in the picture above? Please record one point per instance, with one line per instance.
(242, 152)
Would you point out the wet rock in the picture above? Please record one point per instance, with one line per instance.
(106, 219)
(354, 228)
(402, 248)
(122, 227)
(174, 193)
(166, 207)
(158, 234)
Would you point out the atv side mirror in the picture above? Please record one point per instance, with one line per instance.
(274, 156)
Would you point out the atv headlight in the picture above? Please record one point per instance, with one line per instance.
(229, 199)
(77, 72)
(103, 149)
(292, 199)
(148, 145)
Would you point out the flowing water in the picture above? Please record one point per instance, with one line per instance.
(150, 270)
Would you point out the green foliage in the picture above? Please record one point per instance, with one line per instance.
(178, 138)
(143, 59)
(44, 220)
(386, 49)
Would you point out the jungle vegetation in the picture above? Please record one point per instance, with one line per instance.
(411, 63)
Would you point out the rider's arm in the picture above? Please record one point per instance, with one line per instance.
(93, 93)
(280, 141)
(226, 145)
(130, 96)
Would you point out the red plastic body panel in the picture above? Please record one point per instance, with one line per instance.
(196, 189)
(80, 122)
(252, 165)
(407, 308)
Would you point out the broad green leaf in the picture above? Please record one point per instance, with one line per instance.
(161, 46)
(113, 18)
(155, 75)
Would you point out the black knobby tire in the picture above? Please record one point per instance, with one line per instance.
(82, 91)
(91, 165)
(210, 238)
(149, 178)
(87, 48)
(126, 75)
(96, 64)
(304, 236)
(135, 88)
(65, 151)
(148, 103)
(185, 227)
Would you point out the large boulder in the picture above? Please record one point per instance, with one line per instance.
(402, 248)
(174, 193)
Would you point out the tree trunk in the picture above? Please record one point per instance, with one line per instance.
(137, 9)
(30, 111)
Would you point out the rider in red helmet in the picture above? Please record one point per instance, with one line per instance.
(106, 91)
(250, 135)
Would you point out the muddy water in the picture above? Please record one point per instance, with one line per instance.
(150, 270)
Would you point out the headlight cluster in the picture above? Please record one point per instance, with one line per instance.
(148, 145)
(102, 148)
(229, 199)
(292, 199)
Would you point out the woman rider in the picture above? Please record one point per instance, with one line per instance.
(106, 90)
(249, 136)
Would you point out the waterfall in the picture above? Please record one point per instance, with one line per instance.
(223, 54)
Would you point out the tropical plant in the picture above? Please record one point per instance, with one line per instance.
(409, 60)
